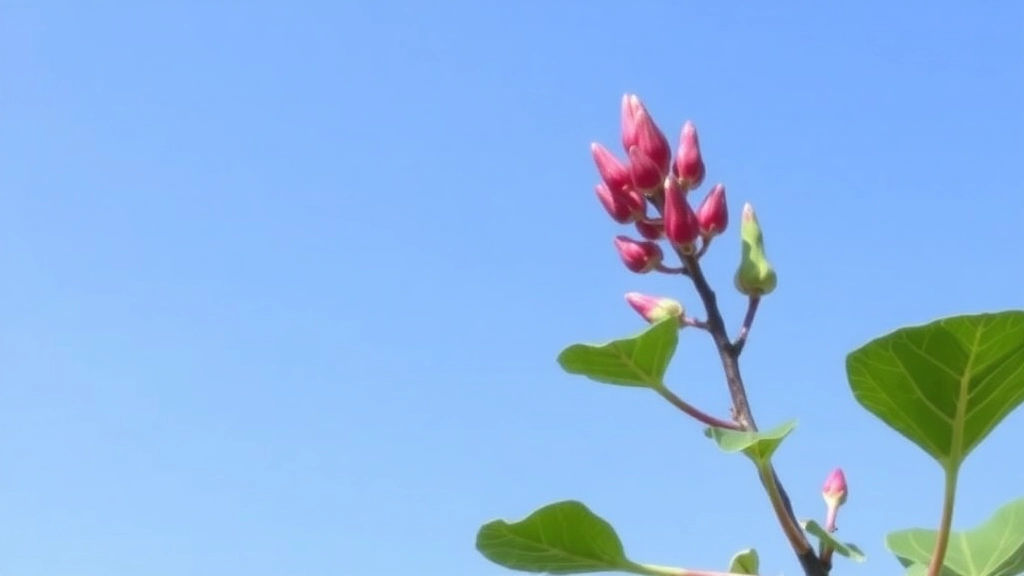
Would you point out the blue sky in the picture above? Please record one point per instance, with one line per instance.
(283, 283)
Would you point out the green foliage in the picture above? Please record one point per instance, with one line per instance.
(560, 538)
(996, 548)
(846, 549)
(758, 446)
(745, 562)
(639, 360)
(944, 385)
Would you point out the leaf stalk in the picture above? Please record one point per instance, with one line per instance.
(946, 521)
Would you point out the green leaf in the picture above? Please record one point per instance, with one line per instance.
(758, 446)
(914, 569)
(846, 549)
(560, 538)
(640, 360)
(922, 570)
(745, 562)
(996, 548)
(943, 385)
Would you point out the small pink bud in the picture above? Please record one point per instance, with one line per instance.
(655, 308)
(614, 173)
(681, 226)
(624, 206)
(640, 130)
(689, 166)
(647, 177)
(628, 123)
(834, 490)
(650, 230)
(639, 257)
(713, 214)
(636, 202)
(613, 203)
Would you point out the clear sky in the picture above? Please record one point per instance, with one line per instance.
(283, 284)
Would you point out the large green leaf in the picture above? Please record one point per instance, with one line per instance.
(640, 360)
(745, 562)
(560, 538)
(943, 385)
(996, 548)
(851, 551)
(758, 446)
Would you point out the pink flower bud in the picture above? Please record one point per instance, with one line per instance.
(650, 230)
(628, 123)
(614, 173)
(834, 490)
(689, 166)
(624, 206)
(647, 177)
(713, 214)
(640, 130)
(655, 308)
(681, 226)
(639, 257)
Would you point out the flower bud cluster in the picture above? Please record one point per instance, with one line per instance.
(650, 174)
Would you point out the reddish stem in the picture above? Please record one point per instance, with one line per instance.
(694, 412)
(694, 323)
(748, 321)
(830, 527)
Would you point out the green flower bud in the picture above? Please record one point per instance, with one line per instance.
(755, 275)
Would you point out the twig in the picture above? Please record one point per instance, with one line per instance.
(693, 411)
(670, 269)
(748, 321)
(743, 415)
(686, 321)
(809, 561)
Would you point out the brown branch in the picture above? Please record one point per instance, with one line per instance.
(809, 561)
(748, 321)
(729, 355)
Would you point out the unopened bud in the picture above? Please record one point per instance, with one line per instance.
(755, 275)
(645, 173)
(650, 230)
(834, 490)
(640, 130)
(689, 165)
(713, 214)
(628, 123)
(681, 226)
(614, 173)
(639, 257)
(655, 308)
(624, 206)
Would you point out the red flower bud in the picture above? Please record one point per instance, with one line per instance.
(647, 177)
(639, 257)
(654, 308)
(628, 123)
(614, 173)
(624, 206)
(713, 214)
(689, 166)
(834, 490)
(681, 226)
(650, 230)
(639, 129)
